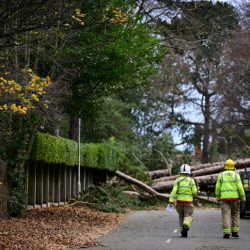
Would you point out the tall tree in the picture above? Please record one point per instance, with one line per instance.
(120, 52)
(198, 34)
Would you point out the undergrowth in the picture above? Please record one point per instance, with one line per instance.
(110, 198)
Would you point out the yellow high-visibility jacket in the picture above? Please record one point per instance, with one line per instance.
(183, 191)
(229, 186)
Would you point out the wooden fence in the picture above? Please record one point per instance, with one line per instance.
(48, 184)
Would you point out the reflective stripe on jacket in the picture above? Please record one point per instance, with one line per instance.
(183, 190)
(229, 186)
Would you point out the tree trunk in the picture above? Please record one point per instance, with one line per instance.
(158, 173)
(3, 190)
(165, 172)
(168, 185)
(150, 190)
(213, 169)
(141, 185)
(204, 181)
(206, 130)
(202, 169)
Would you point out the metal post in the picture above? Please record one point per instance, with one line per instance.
(79, 159)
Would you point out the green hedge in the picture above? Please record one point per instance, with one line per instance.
(52, 149)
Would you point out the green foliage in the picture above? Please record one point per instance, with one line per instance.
(247, 136)
(136, 171)
(52, 149)
(17, 200)
(108, 198)
(127, 162)
(108, 158)
(179, 159)
(109, 56)
(215, 151)
(207, 22)
(110, 116)
(241, 144)
(90, 155)
(161, 153)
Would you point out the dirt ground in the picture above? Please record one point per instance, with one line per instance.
(56, 228)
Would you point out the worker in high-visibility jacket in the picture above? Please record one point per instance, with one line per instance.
(229, 192)
(182, 194)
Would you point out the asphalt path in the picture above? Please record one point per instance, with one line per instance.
(157, 230)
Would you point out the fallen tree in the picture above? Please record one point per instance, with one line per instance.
(141, 185)
(165, 172)
(158, 173)
(210, 169)
(217, 166)
(202, 181)
(151, 190)
(166, 186)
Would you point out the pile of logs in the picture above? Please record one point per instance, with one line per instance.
(204, 174)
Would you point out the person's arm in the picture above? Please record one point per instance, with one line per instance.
(240, 188)
(218, 188)
(193, 188)
(172, 196)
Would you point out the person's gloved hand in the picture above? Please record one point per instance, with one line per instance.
(170, 206)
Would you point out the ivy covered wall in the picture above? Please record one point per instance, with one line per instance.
(52, 149)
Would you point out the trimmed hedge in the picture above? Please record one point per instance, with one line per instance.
(52, 149)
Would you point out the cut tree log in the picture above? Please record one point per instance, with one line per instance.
(211, 169)
(240, 164)
(158, 173)
(205, 180)
(163, 173)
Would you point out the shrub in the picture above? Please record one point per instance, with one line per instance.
(17, 200)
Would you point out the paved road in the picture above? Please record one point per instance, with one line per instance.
(157, 230)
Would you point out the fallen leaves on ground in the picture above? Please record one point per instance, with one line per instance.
(56, 228)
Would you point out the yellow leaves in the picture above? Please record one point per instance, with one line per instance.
(9, 86)
(67, 25)
(78, 16)
(34, 97)
(26, 96)
(119, 16)
(18, 109)
(3, 107)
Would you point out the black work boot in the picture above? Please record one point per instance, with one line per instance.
(226, 236)
(184, 232)
(235, 235)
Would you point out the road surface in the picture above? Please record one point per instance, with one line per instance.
(157, 230)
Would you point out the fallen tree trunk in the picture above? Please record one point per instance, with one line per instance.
(141, 185)
(204, 180)
(158, 173)
(167, 185)
(240, 164)
(150, 190)
(164, 173)
(204, 172)
(213, 169)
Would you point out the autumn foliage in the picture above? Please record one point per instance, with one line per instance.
(20, 98)
(55, 228)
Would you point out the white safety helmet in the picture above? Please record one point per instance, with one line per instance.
(185, 169)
